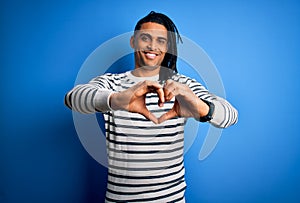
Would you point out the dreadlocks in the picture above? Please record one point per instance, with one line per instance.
(170, 59)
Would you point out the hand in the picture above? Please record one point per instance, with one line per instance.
(186, 104)
(133, 99)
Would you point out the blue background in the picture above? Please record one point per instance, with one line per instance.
(254, 45)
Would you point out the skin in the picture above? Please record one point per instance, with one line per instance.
(150, 45)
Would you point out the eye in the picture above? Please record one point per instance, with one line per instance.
(145, 38)
(162, 41)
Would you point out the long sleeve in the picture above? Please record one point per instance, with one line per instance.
(92, 97)
(224, 115)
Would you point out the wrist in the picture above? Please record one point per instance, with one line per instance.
(203, 109)
(101, 100)
(207, 114)
(115, 102)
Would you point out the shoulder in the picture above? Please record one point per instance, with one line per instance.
(116, 76)
(111, 77)
(184, 79)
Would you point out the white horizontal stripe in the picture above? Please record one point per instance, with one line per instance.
(162, 170)
(139, 148)
(123, 155)
(149, 195)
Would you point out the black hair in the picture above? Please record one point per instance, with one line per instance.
(170, 59)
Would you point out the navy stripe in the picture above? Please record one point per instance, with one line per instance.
(141, 144)
(145, 169)
(153, 127)
(146, 191)
(163, 151)
(145, 177)
(86, 100)
(148, 199)
(78, 96)
(131, 118)
(181, 178)
(145, 160)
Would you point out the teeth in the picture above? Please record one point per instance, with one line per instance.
(151, 56)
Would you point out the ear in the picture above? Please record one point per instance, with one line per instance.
(132, 42)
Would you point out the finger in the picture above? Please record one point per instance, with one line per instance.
(140, 89)
(161, 96)
(150, 116)
(170, 114)
(172, 93)
(150, 86)
(154, 85)
(157, 88)
(168, 82)
(170, 89)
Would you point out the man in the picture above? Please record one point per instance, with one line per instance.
(145, 111)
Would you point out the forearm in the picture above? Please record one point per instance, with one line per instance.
(224, 114)
(88, 98)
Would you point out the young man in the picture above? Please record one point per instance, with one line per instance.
(145, 111)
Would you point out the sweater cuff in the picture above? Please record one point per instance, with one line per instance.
(101, 100)
(218, 115)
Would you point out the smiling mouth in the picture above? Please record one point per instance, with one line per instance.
(150, 55)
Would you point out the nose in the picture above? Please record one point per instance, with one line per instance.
(152, 46)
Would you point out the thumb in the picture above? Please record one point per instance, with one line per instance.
(166, 116)
(145, 112)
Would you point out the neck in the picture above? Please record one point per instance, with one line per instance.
(146, 71)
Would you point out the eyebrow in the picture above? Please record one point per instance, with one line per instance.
(146, 34)
(149, 35)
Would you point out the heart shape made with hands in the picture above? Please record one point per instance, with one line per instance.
(185, 104)
(173, 112)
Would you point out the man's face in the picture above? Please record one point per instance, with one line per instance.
(150, 44)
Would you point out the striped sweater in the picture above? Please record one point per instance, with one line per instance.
(145, 159)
